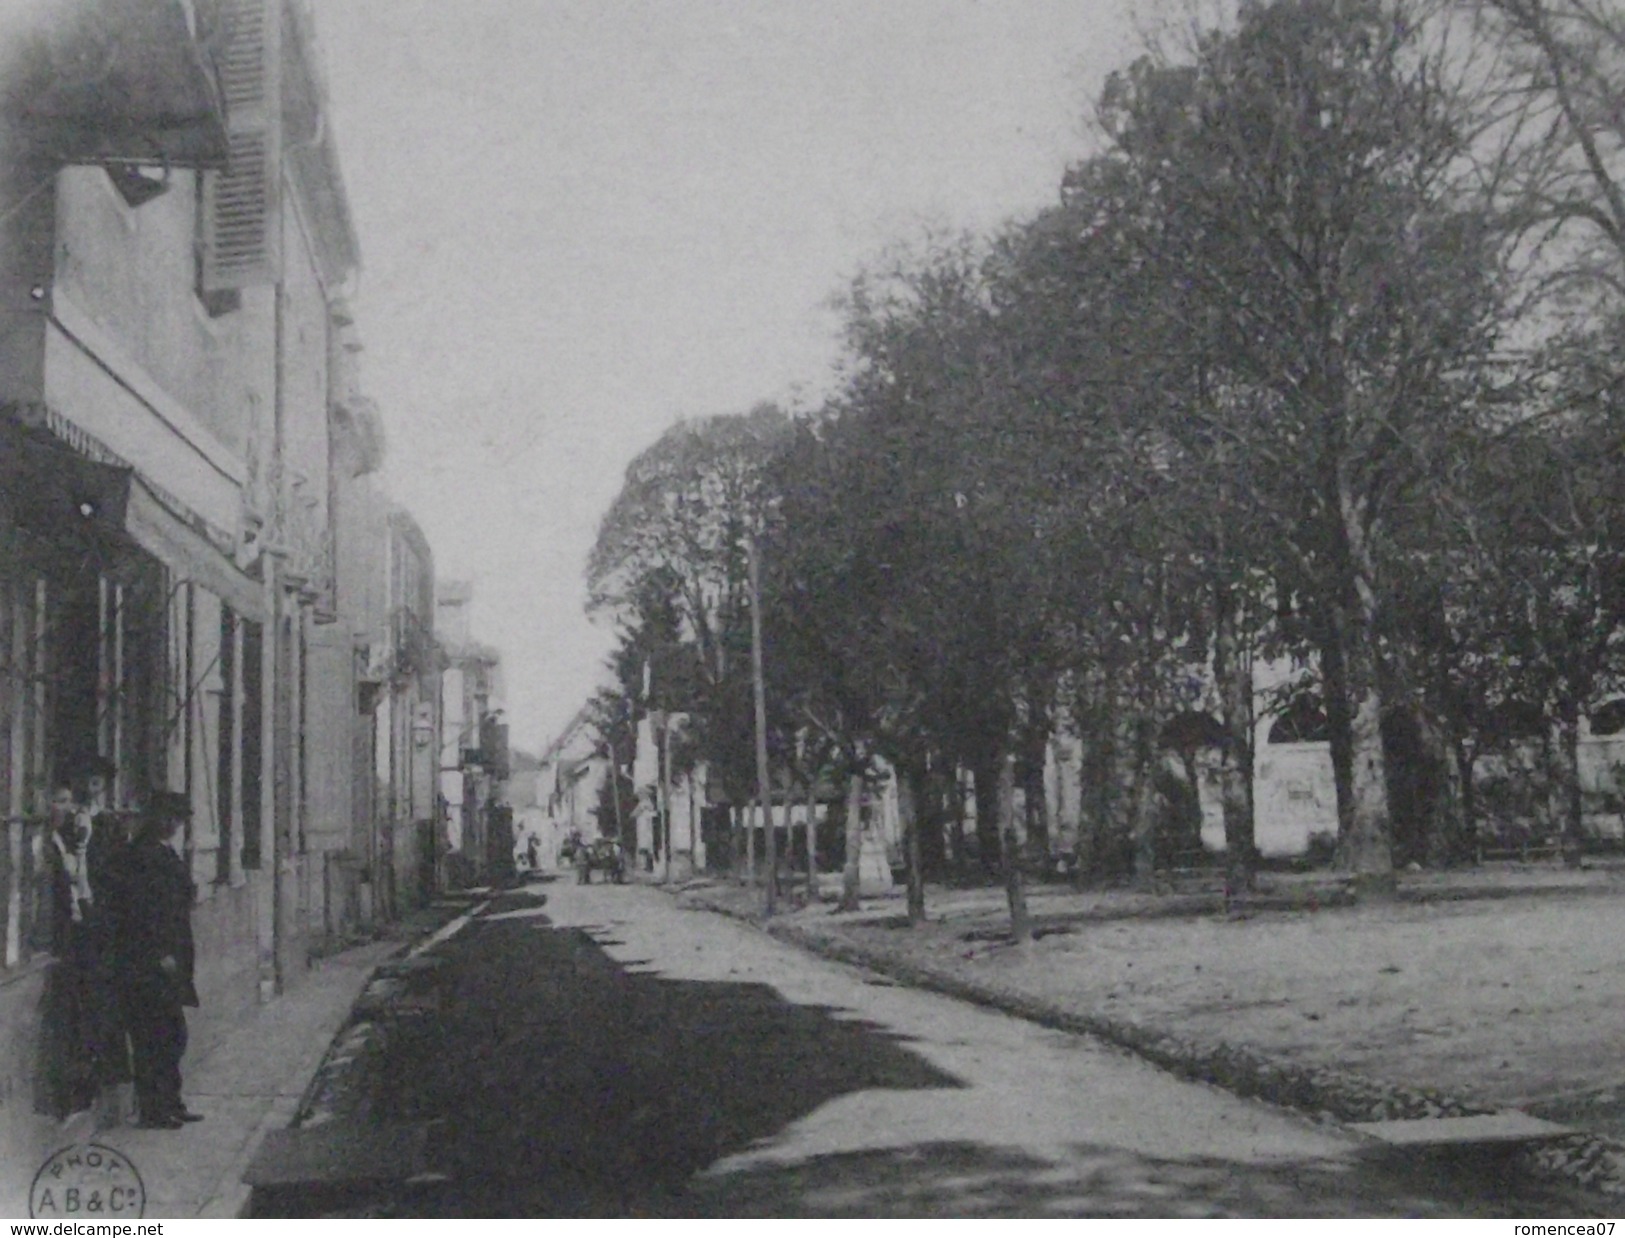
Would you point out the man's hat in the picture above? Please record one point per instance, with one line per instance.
(98, 766)
(169, 804)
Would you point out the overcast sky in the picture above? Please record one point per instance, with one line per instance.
(583, 219)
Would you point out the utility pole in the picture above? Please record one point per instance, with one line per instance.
(614, 784)
(665, 789)
(764, 790)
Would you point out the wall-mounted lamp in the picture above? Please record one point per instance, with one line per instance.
(139, 183)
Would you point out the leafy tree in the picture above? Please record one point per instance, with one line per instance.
(671, 548)
(1300, 177)
(1556, 164)
(1117, 361)
(1551, 539)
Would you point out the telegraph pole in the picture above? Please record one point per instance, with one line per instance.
(763, 787)
(665, 788)
(614, 784)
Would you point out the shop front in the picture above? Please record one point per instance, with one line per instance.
(128, 643)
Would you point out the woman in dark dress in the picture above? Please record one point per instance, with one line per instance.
(82, 1036)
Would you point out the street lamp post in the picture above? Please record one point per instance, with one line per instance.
(764, 790)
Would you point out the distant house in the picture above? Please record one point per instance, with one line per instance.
(473, 743)
(569, 774)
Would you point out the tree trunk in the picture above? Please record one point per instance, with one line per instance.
(1097, 795)
(1463, 764)
(1444, 824)
(1234, 678)
(1367, 852)
(931, 813)
(787, 855)
(1353, 701)
(750, 844)
(1112, 777)
(1569, 801)
(1455, 789)
(811, 838)
(1334, 695)
(985, 774)
(1035, 790)
(956, 807)
(854, 843)
(908, 811)
(1142, 819)
(1021, 930)
(1192, 825)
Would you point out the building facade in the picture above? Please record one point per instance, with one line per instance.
(474, 746)
(407, 827)
(569, 779)
(200, 581)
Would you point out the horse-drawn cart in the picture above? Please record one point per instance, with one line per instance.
(600, 855)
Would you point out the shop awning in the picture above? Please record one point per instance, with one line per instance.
(94, 512)
(191, 555)
(58, 495)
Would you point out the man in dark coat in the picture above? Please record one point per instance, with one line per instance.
(155, 947)
(104, 855)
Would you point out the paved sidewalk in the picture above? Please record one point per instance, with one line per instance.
(249, 1083)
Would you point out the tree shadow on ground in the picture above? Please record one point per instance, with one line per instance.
(975, 1180)
(561, 1083)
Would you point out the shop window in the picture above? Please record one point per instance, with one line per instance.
(74, 647)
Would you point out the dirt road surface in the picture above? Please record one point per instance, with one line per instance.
(607, 1053)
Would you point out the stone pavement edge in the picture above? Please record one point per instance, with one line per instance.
(250, 1081)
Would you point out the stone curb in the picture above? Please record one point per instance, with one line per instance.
(1589, 1163)
(348, 1082)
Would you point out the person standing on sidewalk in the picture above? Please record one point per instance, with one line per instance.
(155, 945)
(70, 1046)
(104, 855)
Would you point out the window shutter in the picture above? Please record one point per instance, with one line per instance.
(242, 222)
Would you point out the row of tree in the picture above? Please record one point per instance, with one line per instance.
(1317, 356)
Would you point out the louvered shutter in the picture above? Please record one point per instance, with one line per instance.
(242, 222)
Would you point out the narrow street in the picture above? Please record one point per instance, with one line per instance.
(605, 1053)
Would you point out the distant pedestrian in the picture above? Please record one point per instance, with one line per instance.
(156, 952)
